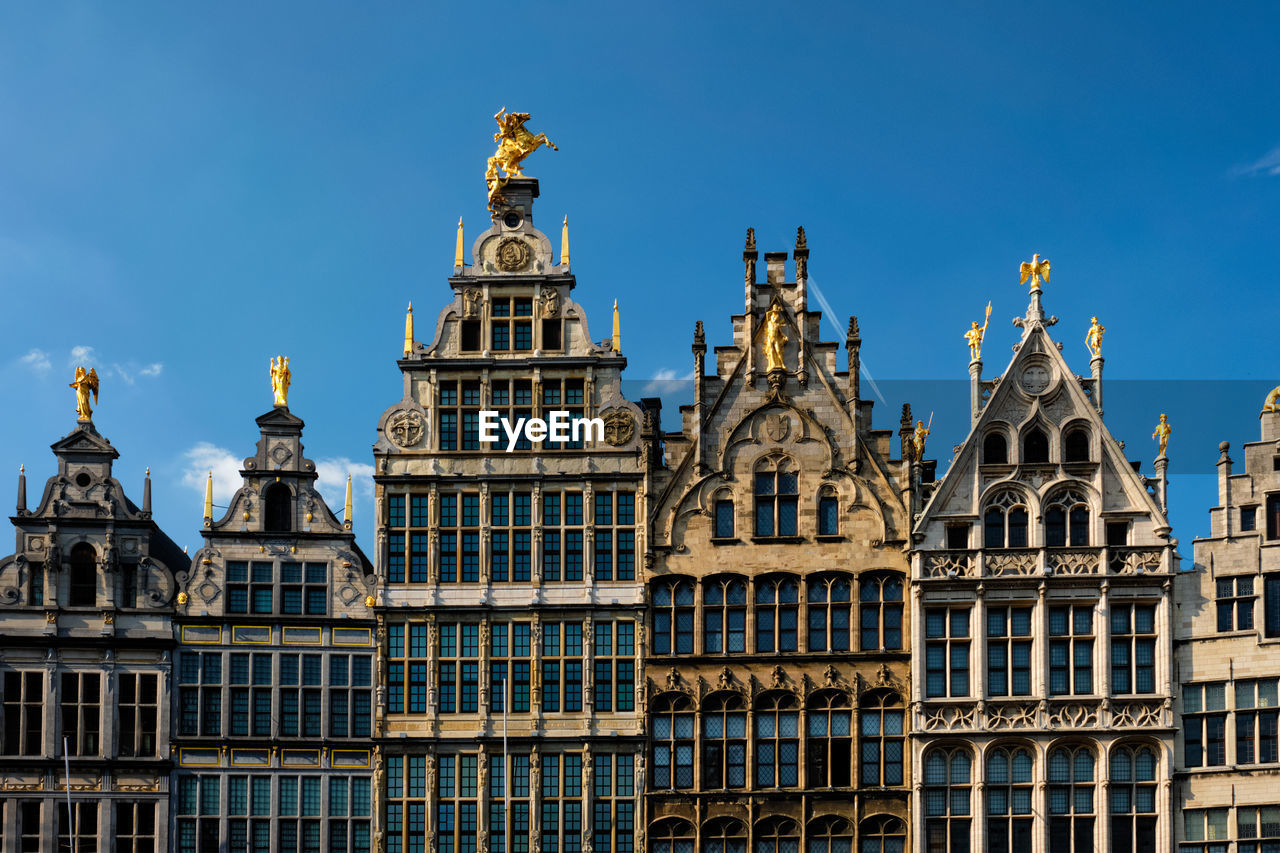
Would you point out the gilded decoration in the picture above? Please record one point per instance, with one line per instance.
(513, 254)
(86, 383)
(515, 143)
(280, 377)
(1035, 270)
(1162, 433)
(1269, 404)
(406, 428)
(775, 337)
(619, 427)
(975, 335)
(1093, 338)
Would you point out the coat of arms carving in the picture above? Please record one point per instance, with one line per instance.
(406, 428)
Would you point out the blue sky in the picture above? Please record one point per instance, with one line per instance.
(189, 190)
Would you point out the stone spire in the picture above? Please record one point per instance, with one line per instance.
(22, 490)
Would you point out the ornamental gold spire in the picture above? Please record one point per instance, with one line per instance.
(457, 249)
(617, 329)
(346, 507)
(564, 243)
(208, 500)
(408, 328)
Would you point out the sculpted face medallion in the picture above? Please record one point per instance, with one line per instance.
(619, 427)
(513, 254)
(405, 429)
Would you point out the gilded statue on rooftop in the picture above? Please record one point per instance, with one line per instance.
(975, 335)
(280, 376)
(85, 383)
(515, 142)
(775, 338)
(1035, 270)
(1093, 339)
(1270, 404)
(1162, 433)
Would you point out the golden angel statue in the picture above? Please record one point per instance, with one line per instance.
(775, 338)
(919, 437)
(1269, 404)
(280, 375)
(1162, 433)
(975, 335)
(1035, 270)
(86, 383)
(515, 142)
(1093, 338)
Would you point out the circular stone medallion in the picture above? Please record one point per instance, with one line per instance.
(513, 254)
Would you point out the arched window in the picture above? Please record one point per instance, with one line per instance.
(673, 617)
(724, 612)
(1133, 799)
(83, 582)
(947, 778)
(777, 835)
(777, 606)
(883, 834)
(829, 611)
(830, 834)
(828, 750)
(881, 735)
(1004, 523)
(1071, 806)
(724, 835)
(880, 613)
(277, 508)
(995, 449)
(777, 496)
(1066, 520)
(724, 516)
(724, 742)
(1075, 447)
(1035, 447)
(828, 512)
(671, 836)
(672, 742)
(777, 739)
(1008, 792)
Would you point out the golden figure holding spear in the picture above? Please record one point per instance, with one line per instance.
(919, 437)
(975, 335)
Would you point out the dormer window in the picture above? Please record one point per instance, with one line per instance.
(777, 496)
(278, 508)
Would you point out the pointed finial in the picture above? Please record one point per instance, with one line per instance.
(408, 329)
(346, 508)
(22, 490)
(800, 241)
(208, 500)
(617, 329)
(699, 335)
(146, 491)
(751, 240)
(564, 243)
(457, 250)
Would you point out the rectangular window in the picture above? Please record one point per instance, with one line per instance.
(1133, 648)
(828, 515)
(561, 666)
(350, 696)
(137, 710)
(1009, 651)
(957, 536)
(615, 674)
(407, 668)
(85, 826)
(1234, 601)
(946, 651)
(81, 703)
(724, 519)
(1256, 721)
(23, 713)
(1204, 724)
(1271, 590)
(458, 668)
(510, 659)
(1248, 518)
(563, 536)
(1258, 828)
(613, 803)
(1071, 650)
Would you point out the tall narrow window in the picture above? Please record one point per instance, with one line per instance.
(724, 616)
(1271, 603)
(995, 449)
(1273, 516)
(82, 711)
(510, 659)
(1071, 801)
(829, 741)
(511, 537)
(1008, 795)
(777, 742)
(350, 810)
(1005, 522)
(724, 518)
(828, 512)
(137, 707)
(829, 612)
(1204, 725)
(511, 323)
(277, 508)
(350, 695)
(561, 666)
(83, 580)
(1066, 520)
(615, 536)
(85, 826)
(1009, 651)
(880, 611)
(614, 686)
(1256, 721)
(1234, 602)
(881, 740)
(1133, 799)
(946, 651)
(561, 803)
(135, 827)
(23, 713)
(1076, 445)
(777, 498)
(1133, 648)
(777, 606)
(613, 802)
(673, 617)
(948, 776)
(672, 744)
(724, 742)
(200, 693)
(1035, 447)
(1071, 650)
(459, 668)
(456, 807)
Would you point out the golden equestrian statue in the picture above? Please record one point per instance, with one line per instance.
(1162, 433)
(86, 383)
(1269, 404)
(280, 376)
(1035, 269)
(775, 338)
(515, 143)
(975, 335)
(1093, 339)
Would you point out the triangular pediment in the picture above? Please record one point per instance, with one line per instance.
(280, 416)
(85, 439)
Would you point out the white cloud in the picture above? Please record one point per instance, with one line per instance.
(662, 380)
(80, 355)
(152, 369)
(37, 360)
(1268, 164)
(206, 457)
(332, 481)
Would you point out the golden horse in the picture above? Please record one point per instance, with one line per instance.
(515, 142)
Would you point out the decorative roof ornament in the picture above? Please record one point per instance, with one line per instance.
(1093, 338)
(616, 343)
(975, 335)
(408, 329)
(515, 142)
(1035, 270)
(457, 249)
(1270, 404)
(1162, 433)
(775, 337)
(85, 383)
(280, 378)
(564, 243)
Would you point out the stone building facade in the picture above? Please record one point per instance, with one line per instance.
(1227, 638)
(274, 694)
(1041, 583)
(777, 677)
(86, 603)
(510, 610)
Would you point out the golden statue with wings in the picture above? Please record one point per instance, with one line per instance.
(86, 383)
(1035, 270)
(515, 142)
(280, 376)
(975, 335)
